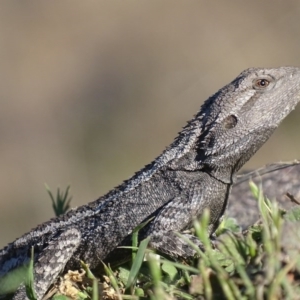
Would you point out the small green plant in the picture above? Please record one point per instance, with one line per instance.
(60, 203)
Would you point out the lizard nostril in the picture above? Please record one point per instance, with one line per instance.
(230, 122)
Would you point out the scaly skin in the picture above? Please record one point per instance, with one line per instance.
(195, 172)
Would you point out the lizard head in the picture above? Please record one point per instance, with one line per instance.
(241, 116)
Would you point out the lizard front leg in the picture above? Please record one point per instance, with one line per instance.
(51, 262)
(176, 216)
(180, 212)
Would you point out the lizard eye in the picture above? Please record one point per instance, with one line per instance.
(261, 83)
(230, 122)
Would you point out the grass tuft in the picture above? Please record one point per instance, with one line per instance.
(262, 262)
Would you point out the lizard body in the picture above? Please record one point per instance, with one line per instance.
(195, 172)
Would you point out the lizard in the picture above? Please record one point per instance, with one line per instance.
(195, 172)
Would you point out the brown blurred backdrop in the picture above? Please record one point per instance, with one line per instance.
(93, 90)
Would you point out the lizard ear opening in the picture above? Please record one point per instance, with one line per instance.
(230, 122)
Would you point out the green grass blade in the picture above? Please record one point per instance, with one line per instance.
(30, 278)
(137, 263)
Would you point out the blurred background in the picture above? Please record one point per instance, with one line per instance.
(91, 91)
